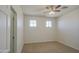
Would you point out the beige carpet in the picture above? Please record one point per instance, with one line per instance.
(48, 47)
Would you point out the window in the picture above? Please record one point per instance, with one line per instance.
(32, 23)
(48, 24)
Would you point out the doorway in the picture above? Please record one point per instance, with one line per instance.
(13, 31)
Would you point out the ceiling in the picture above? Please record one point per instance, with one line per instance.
(38, 10)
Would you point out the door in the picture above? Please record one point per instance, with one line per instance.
(13, 32)
(3, 31)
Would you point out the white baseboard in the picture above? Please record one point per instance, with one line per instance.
(39, 42)
(68, 45)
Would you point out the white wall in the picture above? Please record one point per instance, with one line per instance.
(68, 27)
(20, 19)
(40, 33)
(4, 28)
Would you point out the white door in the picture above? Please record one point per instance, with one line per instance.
(3, 33)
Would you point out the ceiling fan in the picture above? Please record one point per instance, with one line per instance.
(52, 9)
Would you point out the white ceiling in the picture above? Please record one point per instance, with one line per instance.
(38, 10)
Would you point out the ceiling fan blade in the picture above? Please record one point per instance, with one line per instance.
(58, 6)
(64, 7)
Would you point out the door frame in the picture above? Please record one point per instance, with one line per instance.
(14, 37)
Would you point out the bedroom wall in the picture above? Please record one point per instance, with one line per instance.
(68, 29)
(39, 33)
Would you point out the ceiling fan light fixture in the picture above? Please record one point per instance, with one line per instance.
(51, 13)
